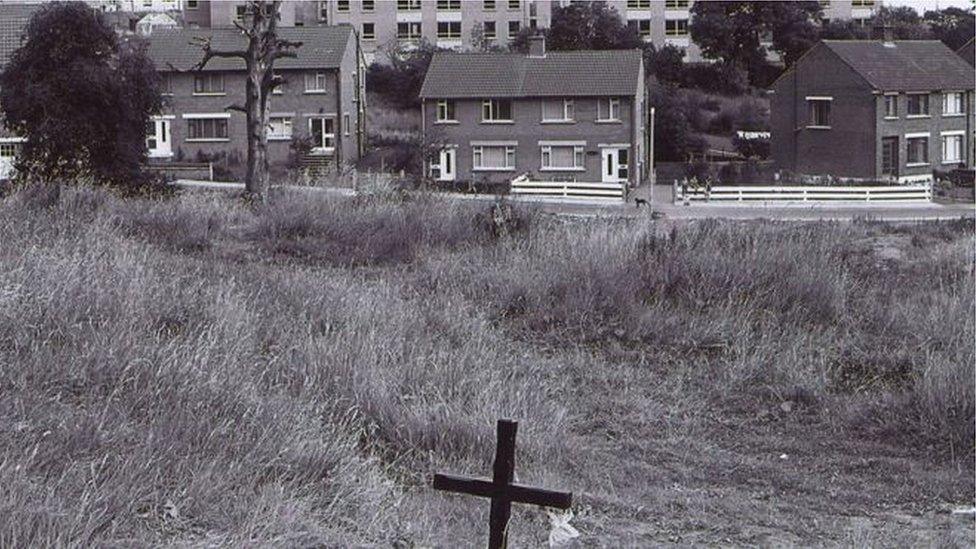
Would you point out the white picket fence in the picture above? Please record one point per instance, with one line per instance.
(900, 193)
(523, 186)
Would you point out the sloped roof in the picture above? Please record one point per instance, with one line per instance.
(322, 47)
(13, 19)
(454, 75)
(968, 52)
(904, 65)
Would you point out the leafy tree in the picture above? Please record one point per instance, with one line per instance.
(673, 140)
(734, 31)
(400, 80)
(904, 21)
(953, 26)
(262, 49)
(666, 63)
(844, 29)
(583, 26)
(80, 96)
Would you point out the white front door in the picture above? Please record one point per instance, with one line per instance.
(322, 132)
(615, 165)
(448, 165)
(159, 142)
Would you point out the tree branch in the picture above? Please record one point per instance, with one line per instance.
(235, 107)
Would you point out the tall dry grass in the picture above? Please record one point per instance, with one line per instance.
(193, 372)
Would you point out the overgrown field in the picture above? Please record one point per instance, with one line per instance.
(193, 372)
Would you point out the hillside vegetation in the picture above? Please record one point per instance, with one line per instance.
(191, 372)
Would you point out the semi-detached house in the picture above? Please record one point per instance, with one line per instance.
(322, 100)
(566, 116)
(874, 110)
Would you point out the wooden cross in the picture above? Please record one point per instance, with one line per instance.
(502, 491)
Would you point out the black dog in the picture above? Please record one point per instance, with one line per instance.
(640, 202)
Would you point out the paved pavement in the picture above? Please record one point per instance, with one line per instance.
(660, 205)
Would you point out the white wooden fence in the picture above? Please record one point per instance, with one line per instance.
(684, 193)
(523, 186)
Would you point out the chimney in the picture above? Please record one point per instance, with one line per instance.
(537, 45)
(883, 31)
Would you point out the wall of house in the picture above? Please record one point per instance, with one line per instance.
(293, 102)
(527, 130)
(849, 147)
(933, 124)
(197, 15)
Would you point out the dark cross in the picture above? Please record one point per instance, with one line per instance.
(501, 489)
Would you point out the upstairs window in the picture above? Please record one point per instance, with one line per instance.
(315, 82)
(208, 84)
(918, 104)
(891, 106)
(490, 33)
(409, 31)
(496, 110)
(638, 4)
(676, 4)
(676, 27)
(342, 5)
(448, 5)
(369, 5)
(192, 4)
(608, 109)
(369, 31)
(488, 5)
(324, 11)
(862, 3)
(449, 30)
(819, 112)
(513, 28)
(557, 110)
(408, 5)
(952, 104)
(514, 4)
(446, 111)
(643, 27)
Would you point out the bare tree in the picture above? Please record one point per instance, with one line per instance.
(263, 47)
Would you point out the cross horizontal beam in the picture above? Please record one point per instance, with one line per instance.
(519, 493)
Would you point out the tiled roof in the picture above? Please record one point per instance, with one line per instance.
(559, 73)
(906, 65)
(322, 47)
(13, 19)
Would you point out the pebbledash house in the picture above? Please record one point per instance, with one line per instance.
(880, 110)
(322, 102)
(562, 116)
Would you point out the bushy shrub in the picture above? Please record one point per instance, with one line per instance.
(758, 147)
(721, 78)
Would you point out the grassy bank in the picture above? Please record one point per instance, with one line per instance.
(190, 371)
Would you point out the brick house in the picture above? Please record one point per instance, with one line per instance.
(322, 101)
(576, 115)
(13, 19)
(874, 110)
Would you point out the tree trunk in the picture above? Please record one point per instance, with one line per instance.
(257, 179)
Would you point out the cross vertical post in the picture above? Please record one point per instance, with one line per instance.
(504, 473)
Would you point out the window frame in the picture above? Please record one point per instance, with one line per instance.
(638, 4)
(288, 123)
(518, 28)
(208, 77)
(909, 138)
(676, 4)
(445, 112)
(961, 96)
(368, 6)
(343, 6)
(448, 5)
(194, 120)
(489, 5)
(325, 135)
(610, 102)
(494, 30)
(315, 76)
(813, 121)
(927, 103)
(477, 153)
(959, 135)
(514, 5)
(893, 97)
(489, 108)
(568, 111)
(449, 35)
(362, 31)
(408, 5)
(679, 32)
(410, 35)
(579, 157)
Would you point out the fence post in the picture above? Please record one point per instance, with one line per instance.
(674, 193)
(210, 167)
(684, 192)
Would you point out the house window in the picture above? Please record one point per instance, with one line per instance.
(346, 124)
(638, 4)
(408, 5)
(608, 109)
(676, 4)
(324, 11)
(952, 104)
(369, 31)
(408, 31)
(342, 5)
(192, 4)
(449, 29)
(676, 27)
(208, 84)
(563, 157)
(166, 84)
(918, 150)
(446, 111)
(489, 30)
(496, 110)
(514, 4)
(206, 129)
(952, 148)
(279, 128)
(448, 5)
(493, 157)
(322, 132)
(9, 150)
(513, 28)
(819, 113)
(918, 104)
(891, 106)
(643, 27)
(557, 110)
(488, 5)
(315, 82)
(862, 3)
(369, 5)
